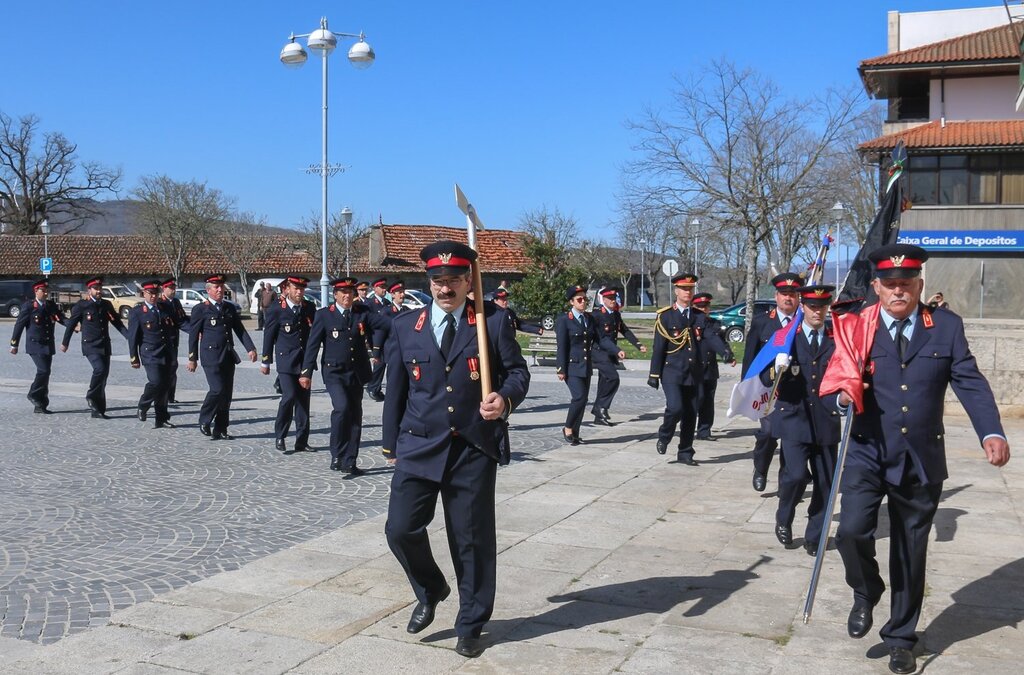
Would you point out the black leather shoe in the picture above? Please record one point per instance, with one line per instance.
(568, 438)
(784, 534)
(164, 425)
(223, 436)
(606, 416)
(376, 396)
(335, 466)
(279, 444)
(423, 613)
(204, 429)
(860, 620)
(901, 660)
(688, 460)
(142, 415)
(42, 410)
(353, 471)
(702, 437)
(759, 482)
(576, 440)
(811, 547)
(96, 415)
(470, 647)
(662, 447)
(602, 421)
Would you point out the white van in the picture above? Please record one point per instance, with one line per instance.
(275, 284)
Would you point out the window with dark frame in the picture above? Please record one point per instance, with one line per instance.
(962, 179)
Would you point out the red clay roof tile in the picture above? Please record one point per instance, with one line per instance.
(971, 134)
(992, 44)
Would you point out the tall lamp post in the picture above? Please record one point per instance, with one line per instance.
(346, 220)
(323, 42)
(694, 224)
(837, 213)
(44, 227)
(643, 242)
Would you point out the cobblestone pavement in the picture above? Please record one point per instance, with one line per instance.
(99, 515)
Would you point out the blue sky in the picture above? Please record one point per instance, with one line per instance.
(523, 103)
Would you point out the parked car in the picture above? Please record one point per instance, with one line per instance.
(733, 319)
(189, 298)
(415, 298)
(122, 298)
(13, 294)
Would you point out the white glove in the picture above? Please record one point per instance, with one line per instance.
(781, 362)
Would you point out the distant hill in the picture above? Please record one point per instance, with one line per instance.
(119, 216)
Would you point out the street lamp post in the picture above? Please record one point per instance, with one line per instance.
(346, 219)
(323, 42)
(837, 212)
(642, 243)
(694, 224)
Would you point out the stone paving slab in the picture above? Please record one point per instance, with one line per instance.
(613, 559)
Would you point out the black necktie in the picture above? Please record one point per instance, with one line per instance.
(448, 337)
(785, 321)
(814, 342)
(295, 310)
(901, 339)
(583, 322)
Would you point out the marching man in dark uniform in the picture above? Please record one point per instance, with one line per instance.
(378, 303)
(341, 329)
(433, 392)
(578, 340)
(501, 300)
(182, 323)
(362, 289)
(680, 336)
(808, 429)
(709, 361)
(609, 322)
(762, 327)
(210, 342)
(286, 332)
(151, 333)
(397, 291)
(36, 319)
(896, 449)
(95, 315)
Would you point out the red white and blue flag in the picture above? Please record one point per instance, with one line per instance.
(751, 397)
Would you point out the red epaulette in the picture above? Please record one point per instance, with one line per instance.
(422, 320)
(926, 318)
(772, 314)
(470, 314)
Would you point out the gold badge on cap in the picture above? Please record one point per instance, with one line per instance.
(819, 292)
(445, 258)
(897, 260)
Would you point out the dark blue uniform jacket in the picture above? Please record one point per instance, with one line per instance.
(37, 319)
(576, 344)
(209, 337)
(344, 358)
(285, 335)
(799, 414)
(151, 333)
(94, 316)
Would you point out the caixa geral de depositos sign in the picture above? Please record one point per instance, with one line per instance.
(979, 241)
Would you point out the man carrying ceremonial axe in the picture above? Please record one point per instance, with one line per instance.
(893, 363)
(445, 427)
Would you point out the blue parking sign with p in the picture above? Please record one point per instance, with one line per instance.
(46, 265)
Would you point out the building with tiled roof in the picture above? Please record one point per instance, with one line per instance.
(951, 80)
(387, 251)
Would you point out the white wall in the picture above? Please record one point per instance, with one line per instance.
(980, 98)
(913, 29)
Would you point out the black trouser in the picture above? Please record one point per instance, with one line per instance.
(607, 383)
(793, 480)
(681, 409)
(172, 386)
(376, 377)
(216, 408)
(911, 511)
(96, 395)
(346, 420)
(39, 392)
(764, 448)
(706, 408)
(579, 389)
(259, 319)
(155, 392)
(467, 493)
(294, 402)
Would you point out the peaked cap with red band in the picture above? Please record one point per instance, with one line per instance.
(898, 261)
(95, 281)
(787, 281)
(344, 283)
(573, 291)
(380, 282)
(42, 283)
(169, 282)
(702, 299)
(820, 294)
(501, 293)
(685, 280)
(363, 285)
(297, 281)
(609, 292)
(397, 286)
(151, 285)
(447, 257)
(217, 279)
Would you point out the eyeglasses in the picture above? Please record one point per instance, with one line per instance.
(450, 282)
(579, 299)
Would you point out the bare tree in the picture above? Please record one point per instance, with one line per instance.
(855, 177)
(248, 244)
(180, 216)
(650, 232)
(734, 147)
(357, 242)
(37, 183)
